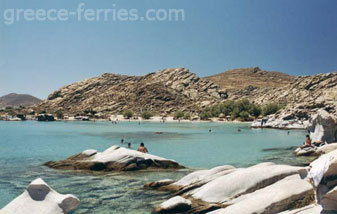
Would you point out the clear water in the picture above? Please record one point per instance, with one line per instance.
(25, 146)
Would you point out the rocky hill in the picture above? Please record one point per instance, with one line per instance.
(302, 96)
(12, 100)
(165, 91)
(241, 78)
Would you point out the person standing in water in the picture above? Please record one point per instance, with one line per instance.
(122, 140)
(129, 145)
(142, 148)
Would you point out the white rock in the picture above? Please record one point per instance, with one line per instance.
(204, 175)
(329, 201)
(122, 155)
(243, 181)
(326, 149)
(175, 202)
(89, 152)
(331, 158)
(311, 209)
(39, 198)
(323, 127)
(271, 199)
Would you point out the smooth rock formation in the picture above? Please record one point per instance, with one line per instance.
(311, 209)
(329, 200)
(198, 178)
(39, 198)
(323, 127)
(290, 191)
(114, 158)
(326, 165)
(255, 189)
(242, 181)
(176, 204)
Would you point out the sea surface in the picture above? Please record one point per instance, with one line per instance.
(25, 146)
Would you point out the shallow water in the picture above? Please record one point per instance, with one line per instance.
(24, 146)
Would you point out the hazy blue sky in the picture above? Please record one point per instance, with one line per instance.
(297, 37)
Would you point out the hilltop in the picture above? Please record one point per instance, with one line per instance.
(241, 78)
(15, 100)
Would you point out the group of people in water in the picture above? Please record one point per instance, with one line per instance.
(141, 147)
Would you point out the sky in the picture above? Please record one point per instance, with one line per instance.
(298, 37)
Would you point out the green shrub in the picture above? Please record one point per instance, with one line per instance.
(128, 114)
(244, 116)
(187, 116)
(59, 114)
(178, 115)
(271, 108)
(146, 115)
(243, 109)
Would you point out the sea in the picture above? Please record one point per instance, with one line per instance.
(25, 146)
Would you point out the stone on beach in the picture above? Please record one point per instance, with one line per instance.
(39, 198)
(114, 158)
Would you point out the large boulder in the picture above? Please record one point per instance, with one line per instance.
(329, 201)
(324, 169)
(243, 181)
(114, 158)
(323, 127)
(39, 198)
(292, 191)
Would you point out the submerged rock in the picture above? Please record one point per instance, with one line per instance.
(115, 158)
(39, 198)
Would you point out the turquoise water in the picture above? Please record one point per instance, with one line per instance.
(24, 146)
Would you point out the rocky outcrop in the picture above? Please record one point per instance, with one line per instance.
(162, 92)
(176, 204)
(114, 158)
(280, 122)
(302, 97)
(272, 199)
(263, 188)
(39, 198)
(323, 127)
